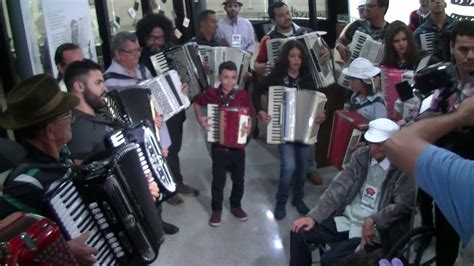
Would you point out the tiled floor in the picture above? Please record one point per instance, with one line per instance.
(259, 241)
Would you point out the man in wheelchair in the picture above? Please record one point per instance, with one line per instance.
(369, 204)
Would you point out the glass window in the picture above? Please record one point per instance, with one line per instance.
(119, 14)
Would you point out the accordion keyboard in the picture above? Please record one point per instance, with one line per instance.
(77, 218)
(275, 108)
(427, 40)
(357, 44)
(213, 119)
(160, 63)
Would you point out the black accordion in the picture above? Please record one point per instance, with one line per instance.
(110, 200)
(152, 160)
(186, 61)
(130, 105)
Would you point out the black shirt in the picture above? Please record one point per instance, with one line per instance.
(88, 133)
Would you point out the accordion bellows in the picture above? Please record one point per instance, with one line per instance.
(293, 113)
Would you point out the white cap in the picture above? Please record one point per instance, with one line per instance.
(361, 68)
(380, 130)
(361, 3)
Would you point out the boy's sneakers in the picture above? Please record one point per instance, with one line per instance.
(280, 211)
(239, 214)
(215, 219)
(175, 200)
(315, 178)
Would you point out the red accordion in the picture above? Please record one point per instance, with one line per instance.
(27, 239)
(347, 129)
(227, 124)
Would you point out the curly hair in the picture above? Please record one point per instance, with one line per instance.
(283, 63)
(146, 25)
(391, 57)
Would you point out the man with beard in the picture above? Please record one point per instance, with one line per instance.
(84, 80)
(236, 31)
(373, 25)
(154, 33)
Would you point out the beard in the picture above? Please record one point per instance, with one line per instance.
(93, 100)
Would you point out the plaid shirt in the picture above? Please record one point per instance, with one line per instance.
(464, 90)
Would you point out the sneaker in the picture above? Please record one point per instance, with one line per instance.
(280, 211)
(315, 178)
(301, 207)
(239, 214)
(175, 200)
(187, 190)
(169, 229)
(215, 219)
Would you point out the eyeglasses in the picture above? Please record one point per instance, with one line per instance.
(132, 52)
(64, 116)
(155, 38)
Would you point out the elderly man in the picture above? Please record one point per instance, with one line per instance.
(235, 30)
(154, 33)
(125, 70)
(373, 25)
(40, 114)
(370, 202)
(65, 54)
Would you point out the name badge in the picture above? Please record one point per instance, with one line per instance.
(236, 40)
(369, 197)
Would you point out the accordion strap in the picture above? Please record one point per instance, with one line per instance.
(115, 75)
(367, 103)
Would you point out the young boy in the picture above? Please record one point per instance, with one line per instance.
(225, 158)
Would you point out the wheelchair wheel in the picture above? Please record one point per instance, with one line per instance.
(409, 249)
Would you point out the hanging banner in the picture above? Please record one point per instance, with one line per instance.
(68, 21)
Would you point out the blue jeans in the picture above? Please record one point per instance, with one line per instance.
(311, 159)
(294, 159)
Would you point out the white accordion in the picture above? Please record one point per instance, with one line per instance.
(321, 71)
(166, 94)
(363, 46)
(293, 112)
(217, 55)
(185, 60)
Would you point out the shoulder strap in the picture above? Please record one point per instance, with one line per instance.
(114, 75)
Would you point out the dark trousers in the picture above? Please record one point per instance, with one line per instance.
(223, 160)
(175, 128)
(320, 234)
(447, 240)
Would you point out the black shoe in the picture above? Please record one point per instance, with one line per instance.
(301, 207)
(169, 229)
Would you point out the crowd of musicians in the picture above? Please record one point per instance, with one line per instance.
(63, 122)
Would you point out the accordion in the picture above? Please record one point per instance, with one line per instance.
(185, 60)
(347, 130)
(130, 105)
(293, 112)
(321, 71)
(28, 239)
(166, 94)
(390, 78)
(363, 46)
(427, 40)
(151, 157)
(217, 55)
(110, 200)
(227, 124)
